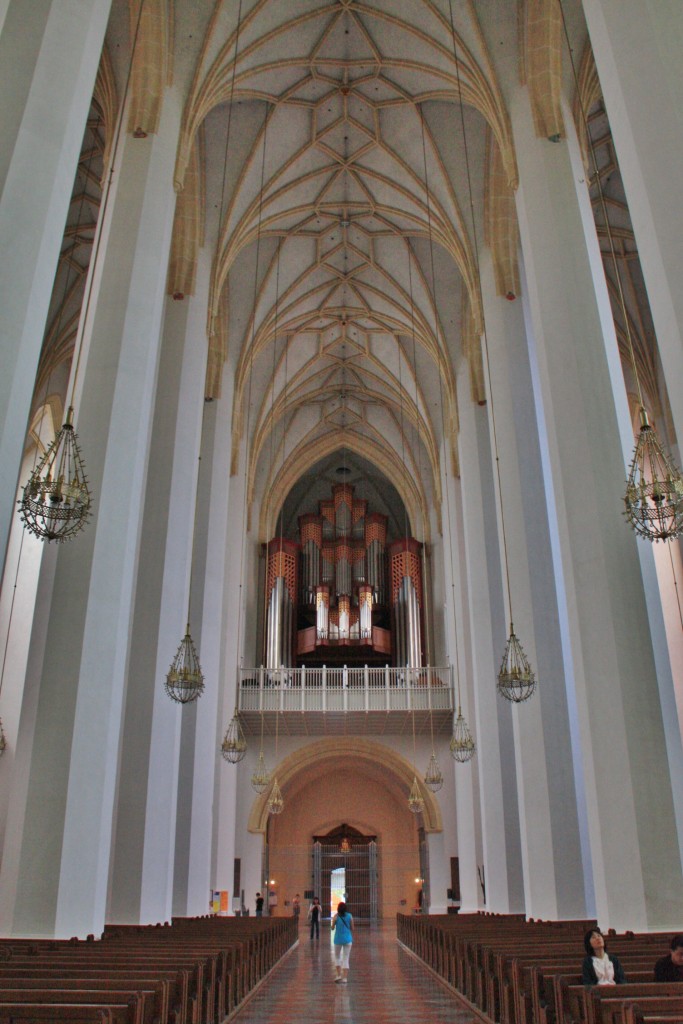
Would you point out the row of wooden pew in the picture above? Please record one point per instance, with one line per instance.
(193, 971)
(525, 972)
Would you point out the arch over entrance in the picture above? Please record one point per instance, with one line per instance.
(317, 759)
(364, 785)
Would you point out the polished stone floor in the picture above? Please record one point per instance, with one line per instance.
(386, 986)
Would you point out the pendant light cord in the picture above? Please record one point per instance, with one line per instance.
(248, 421)
(419, 473)
(470, 193)
(441, 407)
(194, 515)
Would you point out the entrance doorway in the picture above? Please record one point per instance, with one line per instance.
(337, 888)
(345, 868)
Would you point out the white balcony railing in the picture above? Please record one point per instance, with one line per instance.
(345, 689)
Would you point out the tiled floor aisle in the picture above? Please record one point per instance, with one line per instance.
(386, 986)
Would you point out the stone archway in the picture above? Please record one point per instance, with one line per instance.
(363, 784)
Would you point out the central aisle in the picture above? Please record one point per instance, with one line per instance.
(386, 986)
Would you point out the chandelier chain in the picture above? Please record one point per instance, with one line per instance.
(477, 282)
(433, 770)
(443, 422)
(249, 388)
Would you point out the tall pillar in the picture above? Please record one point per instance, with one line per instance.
(199, 764)
(549, 822)
(143, 854)
(637, 47)
(49, 53)
(631, 813)
(455, 618)
(57, 850)
(239, 564)
(492, 720)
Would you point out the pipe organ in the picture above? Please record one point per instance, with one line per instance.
(340, 585)
(281, 589)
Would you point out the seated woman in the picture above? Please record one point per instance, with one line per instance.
(598, 968)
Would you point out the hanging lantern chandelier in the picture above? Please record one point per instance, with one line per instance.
(184, 680)
(654, 489)
(415, 801)
(261, 776)
(275, 802)
(462, 746)
(56, 503)
(433, 776)
(234, 745)
(516, 680)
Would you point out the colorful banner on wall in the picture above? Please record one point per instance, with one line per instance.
(219, 901)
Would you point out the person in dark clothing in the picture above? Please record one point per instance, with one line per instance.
(315, 912)
(598, 968)
(259, 905)
(670, 967)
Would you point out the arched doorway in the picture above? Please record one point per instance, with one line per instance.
(337, 788)
(345, 867)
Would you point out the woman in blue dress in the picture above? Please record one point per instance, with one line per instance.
(342, 922)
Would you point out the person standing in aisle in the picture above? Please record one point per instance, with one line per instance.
(315, 912)
(342, 923)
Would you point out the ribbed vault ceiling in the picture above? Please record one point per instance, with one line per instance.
(323, 164)
(343, 257)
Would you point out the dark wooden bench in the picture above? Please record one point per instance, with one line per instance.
(47, 1013)
(124, 1008)
(512, 970)
(194, 972)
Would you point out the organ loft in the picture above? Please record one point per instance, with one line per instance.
(341, 593)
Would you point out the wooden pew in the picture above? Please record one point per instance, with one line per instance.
(187, 992)
(156, 992)
(578, 1003)
(511, 969)
(40, 1003)
(195, 972)
(47, 1013)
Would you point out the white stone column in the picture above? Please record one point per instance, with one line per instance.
(492, 725)
(439, 873)
(549, 823)
(232, 802)
(57, 850)
(462, 830)
(637, 46)
(143, 857)
(630, 807)
(465, 776)
(201, 764)
(49, 53)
